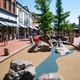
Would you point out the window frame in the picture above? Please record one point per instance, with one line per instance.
(9, 5)
(13, 7)
(4, 4)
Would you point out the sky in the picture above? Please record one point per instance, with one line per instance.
(68, 5)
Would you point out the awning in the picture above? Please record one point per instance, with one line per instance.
(15, 25)
(76, 28)
(31, 27)
(34, 27)
(26, 26)
(23, 26)
(8, 24)
(3, 23)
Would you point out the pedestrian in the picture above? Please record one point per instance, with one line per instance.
(27, 35)
(1, 37)
(5, 39)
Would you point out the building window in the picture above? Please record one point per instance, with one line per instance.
(9, 5)
(20, 16)
(4, 4)
(13, 7)
(30, 20)
(25, 19)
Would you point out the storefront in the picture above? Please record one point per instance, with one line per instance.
(9, 28)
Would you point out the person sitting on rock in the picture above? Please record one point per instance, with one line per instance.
(36, 40)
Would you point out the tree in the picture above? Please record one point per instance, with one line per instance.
(60, 16)
(45, 17)
(70, 28)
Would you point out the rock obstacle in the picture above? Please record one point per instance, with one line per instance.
(51, 76)
(60, 48)
(21, 70)
(44, 45)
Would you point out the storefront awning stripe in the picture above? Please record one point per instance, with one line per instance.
(34, 27)
(8, 24)
(23, 26)
(31, 27)
(3, 23)
(15, 25)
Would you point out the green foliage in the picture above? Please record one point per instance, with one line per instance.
(71, 27)
(49, 35)
(60, 17)
(46, 17)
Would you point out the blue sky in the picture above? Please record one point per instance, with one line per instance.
(68, 5)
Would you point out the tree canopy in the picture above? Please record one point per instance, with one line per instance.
(45, 17)
(60, 17)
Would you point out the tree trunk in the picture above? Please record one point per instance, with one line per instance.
(64, 32)
(68, 33)
(58, 32)
(44, 33)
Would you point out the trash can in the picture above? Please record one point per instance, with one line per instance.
(6, 51)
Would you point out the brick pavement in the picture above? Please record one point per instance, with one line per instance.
(14, 45)
(76, 40)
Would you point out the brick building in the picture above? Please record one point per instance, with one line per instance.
(8, 18)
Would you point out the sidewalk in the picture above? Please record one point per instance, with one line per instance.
(19, 44)
(76, 41)
(14, 45)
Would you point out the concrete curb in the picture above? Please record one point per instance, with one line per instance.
(12, 53)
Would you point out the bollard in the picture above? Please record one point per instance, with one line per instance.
(6, 51)
(72, 40)
(69, 38)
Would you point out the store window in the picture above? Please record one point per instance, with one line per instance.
(4, 4)
(13, 7)
(9, 5)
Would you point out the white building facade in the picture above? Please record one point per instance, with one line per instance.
(24, 20)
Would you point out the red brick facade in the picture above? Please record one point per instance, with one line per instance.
(7, 8)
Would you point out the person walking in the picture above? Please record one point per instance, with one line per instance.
(5, 39)
(1, 37)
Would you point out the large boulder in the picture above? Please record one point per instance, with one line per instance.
(21, 70)
(44, 45)
(47, 39)
(60, 48)
(59, 44)
(51, 76)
